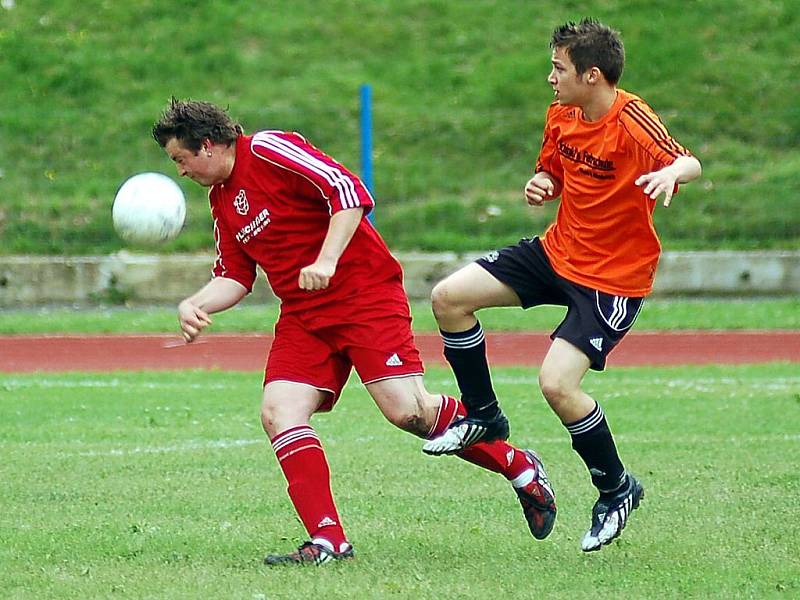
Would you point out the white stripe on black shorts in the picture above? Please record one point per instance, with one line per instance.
(595, 321)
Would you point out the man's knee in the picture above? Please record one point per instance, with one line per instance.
(406, 403)
(412, 423)
(270, 415)
(278, 415)
(411, 416)
(450, 305)
(285, 405)
(556, 390)
(441, 300)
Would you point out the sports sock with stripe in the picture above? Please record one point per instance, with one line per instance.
(592, 440)
(302, 459)
(501, 457)
(497, 456)
(466, 353)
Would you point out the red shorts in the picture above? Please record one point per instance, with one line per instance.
(319, 348)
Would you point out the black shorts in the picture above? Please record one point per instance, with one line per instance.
(595, 321)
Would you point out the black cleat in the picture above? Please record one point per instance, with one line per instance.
(309, 554)
(467, 431)
(610, 514)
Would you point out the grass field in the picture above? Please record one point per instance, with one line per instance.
(657, 314)
(459, 101)
(161, 485)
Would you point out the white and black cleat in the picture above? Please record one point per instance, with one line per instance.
(310, 553)
(467, 431)
(610, 515)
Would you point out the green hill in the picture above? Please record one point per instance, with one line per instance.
(459, 98)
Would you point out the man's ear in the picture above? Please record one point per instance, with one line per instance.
(206, 146)
(594, 75)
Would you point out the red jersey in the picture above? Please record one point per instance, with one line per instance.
(603, 236)
(274, 211)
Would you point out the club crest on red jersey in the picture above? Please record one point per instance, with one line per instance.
(241, 204)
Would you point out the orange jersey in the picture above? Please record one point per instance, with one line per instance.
(603, 236)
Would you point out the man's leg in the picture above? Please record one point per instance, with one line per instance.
(285, 414)
(560, 377)
(455, 301)
(406, 403)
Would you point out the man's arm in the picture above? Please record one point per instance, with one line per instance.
(217, 295)
(342, 227)
(683, 170)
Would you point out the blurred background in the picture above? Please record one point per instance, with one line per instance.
(459, 96)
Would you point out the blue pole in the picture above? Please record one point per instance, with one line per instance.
(366, 137)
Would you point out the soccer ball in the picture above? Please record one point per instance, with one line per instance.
(148, 208)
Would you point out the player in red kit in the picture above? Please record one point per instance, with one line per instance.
(280, 203)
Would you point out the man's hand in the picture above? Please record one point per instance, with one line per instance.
(192, 320)
(316, 276)
(656, 182)
(541, 187)
(683, 170)
(342, 227)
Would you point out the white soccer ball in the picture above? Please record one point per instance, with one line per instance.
(149, 208)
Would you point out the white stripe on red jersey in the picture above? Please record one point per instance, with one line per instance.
(302, 162)
(219, 266)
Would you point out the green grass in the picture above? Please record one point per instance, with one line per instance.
(459, 99)
(657, 314)
(161, 485)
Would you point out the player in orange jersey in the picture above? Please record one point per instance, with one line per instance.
(608, 157)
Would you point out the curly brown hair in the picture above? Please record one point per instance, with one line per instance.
(191, 122)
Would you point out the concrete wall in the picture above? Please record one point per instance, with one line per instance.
(142, 279)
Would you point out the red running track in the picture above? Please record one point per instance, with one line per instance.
(53, 353)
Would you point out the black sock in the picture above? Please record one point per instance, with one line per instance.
(466, 353)
(592, 440)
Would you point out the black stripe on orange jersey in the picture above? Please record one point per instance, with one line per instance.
(655, 129)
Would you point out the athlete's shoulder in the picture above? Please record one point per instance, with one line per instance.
(634, 112)
(627, 97)
(643, 127)
(271, 140)
(561, 113)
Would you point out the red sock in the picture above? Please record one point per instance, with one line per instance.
(498, 456)
(449, 409)
(302, 459)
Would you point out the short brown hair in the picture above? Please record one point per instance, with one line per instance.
(192, 122)
(592, 44)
